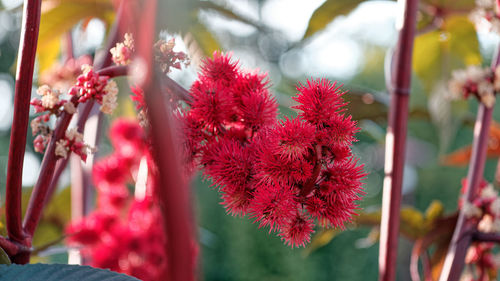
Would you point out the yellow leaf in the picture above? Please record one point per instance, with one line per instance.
(434, 211)
(438, 52)
(200, 42)
(58, 17)
(48, 55)
(320, 239)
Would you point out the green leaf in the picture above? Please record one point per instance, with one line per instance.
(200, 42)
(452, 4)
(320, 239)
(58, 272)
(438, 52)
(325, 13)
(4, 258)
(228, 13)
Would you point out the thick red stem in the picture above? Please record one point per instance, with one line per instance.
(173, 195)
(12, 248)
(395, 144)
(24, 79)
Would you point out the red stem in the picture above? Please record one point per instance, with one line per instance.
(462, 236)
(24, 79)
(395, 144)
(12, 248)
(102, 65)
(173, 195)
(486, 237)
(68, 44)
(37, 199)
(47, 169)
(465, 228)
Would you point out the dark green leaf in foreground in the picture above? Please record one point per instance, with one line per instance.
(58, 272)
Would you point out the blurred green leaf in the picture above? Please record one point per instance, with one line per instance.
(438, 52)
(4, 258)
(228, 13)
(452, 4)
(328, 11)
(320, 239)
(200, 42)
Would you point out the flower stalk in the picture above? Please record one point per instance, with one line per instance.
(462, 236)
(395, 143)
(24, 79)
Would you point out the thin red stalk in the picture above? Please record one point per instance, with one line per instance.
(175, 89)
(465, 228)
(486, 237)
(24, 79)
(83, 114)
(395, 144)
(44, 183)
(103, 67)
(462, 236)
(114, 71)
(68, 45)
(37, 199)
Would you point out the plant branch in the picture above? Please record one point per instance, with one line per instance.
(37, 199)
(395, 144)
(12, 248)
(463, 234)
(24, 80)
(103, 67)
(462, 237)
(486, 237)
(174, 194)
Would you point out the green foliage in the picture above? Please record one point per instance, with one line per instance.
(4, 258)
(325, 13)
(58, 272)
(452, 4)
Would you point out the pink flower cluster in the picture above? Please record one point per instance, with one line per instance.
(166, 56)
(123, 233)
(485, 211)
(122, 52)
(91, 85)
(476, 81)
(283, 174)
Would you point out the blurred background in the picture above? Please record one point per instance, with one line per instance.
(293, 40)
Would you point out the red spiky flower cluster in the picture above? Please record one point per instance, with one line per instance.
(123, 234)
(283, 174)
